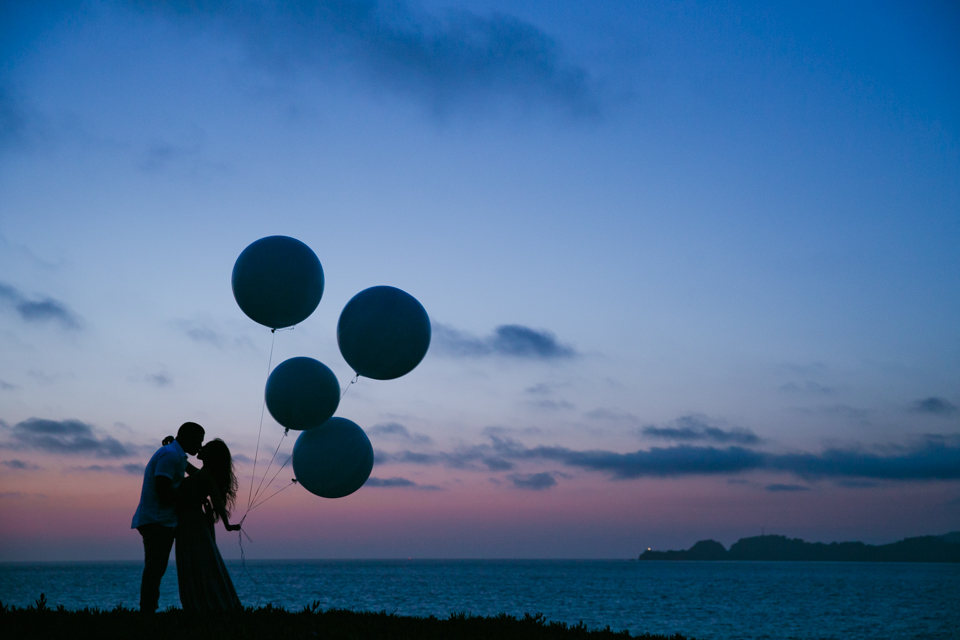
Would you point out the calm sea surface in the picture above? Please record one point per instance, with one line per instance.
(722, 600)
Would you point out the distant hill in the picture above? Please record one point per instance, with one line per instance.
(945, 548)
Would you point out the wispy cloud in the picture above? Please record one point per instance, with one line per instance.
(159, 379)
(6, 386)
(21, 127)
(809, 387)
(509, 340)
(934, 406)
(540, 389)
(159, 155)
(199, 332)
(392, 483)
(458, 60)
(476, 457)
(19, 495)
(396, 431)
(846, 411)
(697, 428)
(35, 310)
(857, 484)
(808, 370)
(532, 481)
(553, 405)
(500, 431)
(786, 487)
(12, 120)
(64, 437)
(203, 333)
(673, 461)
(542, 397)
(935, 458)
(19, 465)
(126, 469)
(612, 415)
(44, 378)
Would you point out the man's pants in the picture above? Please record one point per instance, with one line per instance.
(157, 542)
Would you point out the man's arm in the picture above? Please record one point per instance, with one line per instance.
(165, 491)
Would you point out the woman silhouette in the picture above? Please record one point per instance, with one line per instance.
(202, 499)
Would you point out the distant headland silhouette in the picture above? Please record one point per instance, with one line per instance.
(945, 548)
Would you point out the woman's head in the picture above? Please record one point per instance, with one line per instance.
(217, 461)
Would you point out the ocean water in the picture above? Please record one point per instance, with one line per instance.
(707, 600)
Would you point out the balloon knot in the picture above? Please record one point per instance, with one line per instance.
(293, 480)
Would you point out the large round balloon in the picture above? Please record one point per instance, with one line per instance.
(278, 281)
(302, 393)
(333, 460)
(383, 333)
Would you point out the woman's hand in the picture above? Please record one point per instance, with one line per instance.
(232, 527)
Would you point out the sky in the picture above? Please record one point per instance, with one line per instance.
(691, 267)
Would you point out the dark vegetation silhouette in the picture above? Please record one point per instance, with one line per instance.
(39, 621)
(945, 548)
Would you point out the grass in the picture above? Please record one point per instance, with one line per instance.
(40, 621)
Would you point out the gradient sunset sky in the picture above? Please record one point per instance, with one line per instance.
(693, 268)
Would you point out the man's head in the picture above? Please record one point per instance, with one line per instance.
(190, 437)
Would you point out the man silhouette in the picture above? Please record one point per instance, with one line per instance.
(156, 516)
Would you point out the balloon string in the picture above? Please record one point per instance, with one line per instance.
(347, 388)
(293, 481)
(243, 557)
(279, 469)
(253, 476)
(257, 493)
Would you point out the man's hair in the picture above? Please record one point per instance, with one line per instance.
(188, 429)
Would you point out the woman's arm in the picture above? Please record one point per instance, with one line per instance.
(219, 506)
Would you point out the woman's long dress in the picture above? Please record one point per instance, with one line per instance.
(204, 582)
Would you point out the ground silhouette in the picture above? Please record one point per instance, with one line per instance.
(40, 621)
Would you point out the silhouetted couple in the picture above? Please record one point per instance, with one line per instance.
(173, 506)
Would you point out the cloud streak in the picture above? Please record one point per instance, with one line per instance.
(475, 458)
(38, 310)
(933, 459)
(809, 387)
(396, 431)
(508, 340)
(199, 333)
(693, 428)
(934, 406)
(64, 437)
(126, 469)
(776, 488)
(19, 465)
(532, 481)
(458, 60)
(402, 483)
(21, 127)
